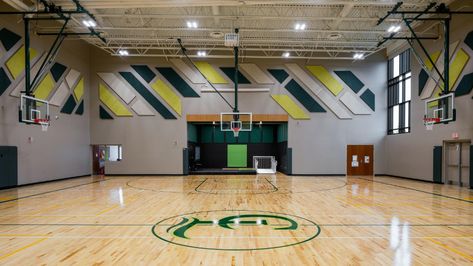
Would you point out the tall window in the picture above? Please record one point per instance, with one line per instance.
(399, 93)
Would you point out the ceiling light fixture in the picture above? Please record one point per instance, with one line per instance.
(286, 54)
(300, 26)
(123, 52)
(358, 56)
(394, 28)
(201, 53)
(89, 23)
(192, 24)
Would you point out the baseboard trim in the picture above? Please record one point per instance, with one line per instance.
(145, 175)
(409, 178)
(47, 181)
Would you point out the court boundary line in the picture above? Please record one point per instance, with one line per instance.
(418, 190)
(251, 193)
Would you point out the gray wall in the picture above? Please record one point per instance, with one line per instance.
(152, 145)
(64, 150)
(410, 155)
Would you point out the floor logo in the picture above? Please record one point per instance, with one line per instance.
(236, 230)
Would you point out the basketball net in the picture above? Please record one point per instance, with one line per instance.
(236, 131)
(430, 122)
(44, 124)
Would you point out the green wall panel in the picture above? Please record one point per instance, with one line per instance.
(255, 135)
(282, 132)
(69, 106)
(229, 138)
(57, 70)
(465, 86)
(279, 74)
(4, 81)
(80, 109)
(268, 135)
(104, 114)
(219, 135)
(230, 72)
(303, 97)
(147, 95)
(237, 155)
(437, 164)
(145, 72)
(192, 133)
(423, 78)
(369, 98)
(177, 82)
(8, 38)
(351, 80)
(469, 40)
(244, 137)
(206, 134)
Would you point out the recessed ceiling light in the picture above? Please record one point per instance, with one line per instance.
(394, 28)
(300, 26)
(123, 52)
(286, 54)
(201, 53)
(358, 56)
(192, 24)
(89, 23)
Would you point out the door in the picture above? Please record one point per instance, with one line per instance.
(360, 159)
(98, 166)
(456, 162)
(8, 166)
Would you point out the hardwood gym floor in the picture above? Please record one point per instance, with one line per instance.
(236, 220)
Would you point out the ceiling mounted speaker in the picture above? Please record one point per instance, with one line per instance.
(334, 36)
(217, 34)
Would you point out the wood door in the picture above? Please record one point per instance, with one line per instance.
(360, 159)
(96, 167)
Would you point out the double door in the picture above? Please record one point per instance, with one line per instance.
(360, 159)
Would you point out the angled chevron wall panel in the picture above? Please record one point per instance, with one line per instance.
(8, 38)
(147, 95)
(112, 102)
(192, 74)
(57, 70)
(465, 86)
(304, 77)
(118, 86)
(210, 73)
(290, 107)
(469, 40)
(141, 108)
(354, 104)
(304, 98)
(322, 74)
(369, 98)
(72, 77)
(279, 74)
(351, 80)
(423, 78)
(177, 82)
(434, 56)
(145, 72)
(79, 89)
(431, 83)
(69, 106)
(167, 95)
(45, 87)
(20, 86)
(80, 108)
(256, 73)
(230, 73)
(104, 114)
(5, 81)
(333, 105)
(60, 95)
(16, 63)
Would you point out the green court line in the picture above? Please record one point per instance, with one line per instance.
(200, 185)
(252, 193)
(418, 190)
(47, 192)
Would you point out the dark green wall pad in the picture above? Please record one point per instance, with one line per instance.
(185, 161)
(192, 133)
(57, 70)
(80, 109)
(368, 98)
(8, 38)
(177, 82)
(104, 114)
(145, 72)
(149, 97)
(437, 164)
(279, 74)
(465, 86)
(351, 80)
(469, 40)
(423, 77)
(69, 106)
(303, 97)
(230, 72)
(4, 81)
(471, 168)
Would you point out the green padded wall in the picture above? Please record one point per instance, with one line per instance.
(303, 97)
(282, 132)
(437, 164)
(192, 133)
(229, 138)
(268, 135)
(244, 137)
(351, 80)
(237, 155)
(145, 72)
(279, 74)
(206, 134)
(230, 72)
(147, 95)
(219, 136)
(177, 82)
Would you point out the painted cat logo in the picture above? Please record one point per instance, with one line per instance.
(236, 230)
(230, 222)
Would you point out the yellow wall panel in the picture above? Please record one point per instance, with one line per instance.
(112, 102)
(457, 66)
(45, 87)
(16, 63)
(324, 76)
(210, 73)
(434, 56)
(79, 89)
(168, 95)
(290, 106)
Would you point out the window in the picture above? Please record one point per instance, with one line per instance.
(399, 93)
(113, 153)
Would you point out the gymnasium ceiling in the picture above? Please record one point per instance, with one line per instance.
(335, 29)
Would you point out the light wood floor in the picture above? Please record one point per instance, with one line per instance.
(236, 220)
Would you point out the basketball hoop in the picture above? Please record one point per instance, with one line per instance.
(430, 122)
(43, 122)
(236, 131)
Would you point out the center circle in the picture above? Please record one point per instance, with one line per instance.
(236, 230)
